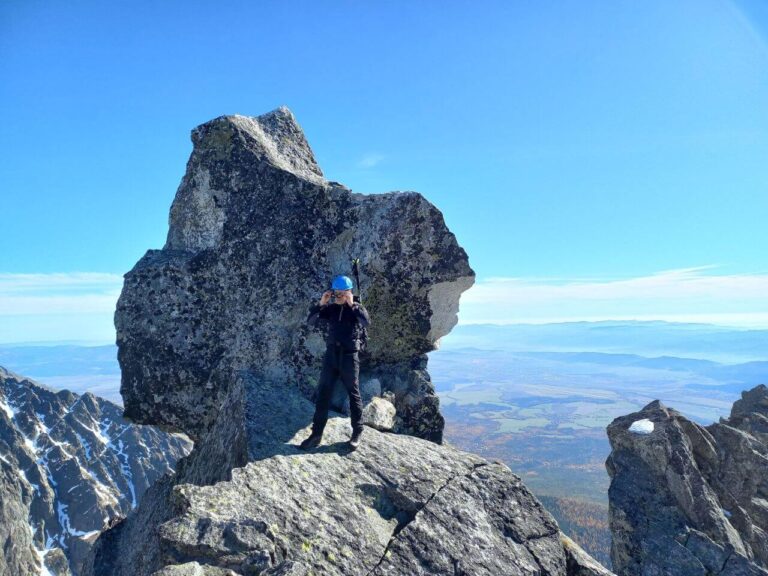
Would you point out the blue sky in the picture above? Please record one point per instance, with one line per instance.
(573, 144)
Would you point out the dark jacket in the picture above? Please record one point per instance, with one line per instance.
(344, 323)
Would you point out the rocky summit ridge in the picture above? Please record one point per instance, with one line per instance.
(213, 342)
(687, 499)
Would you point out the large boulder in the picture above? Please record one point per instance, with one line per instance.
(255, 235)
(687, 499)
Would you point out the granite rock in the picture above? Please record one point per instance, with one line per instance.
(255, 235)
(579, 563)
(397, 505)
(379, 413)
(18, 552)
(213, 341)
(687, 499)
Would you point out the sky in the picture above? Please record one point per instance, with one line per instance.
(596, 159)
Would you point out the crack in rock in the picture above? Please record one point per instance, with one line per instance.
(400, 526)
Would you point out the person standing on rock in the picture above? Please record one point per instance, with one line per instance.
(347, 319)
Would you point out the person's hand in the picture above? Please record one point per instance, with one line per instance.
(349, 299)
(325, 298)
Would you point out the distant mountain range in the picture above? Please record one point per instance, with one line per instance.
(72, 367)
(695, 341)
(69, 467)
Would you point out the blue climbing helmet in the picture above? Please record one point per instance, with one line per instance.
(341, 283)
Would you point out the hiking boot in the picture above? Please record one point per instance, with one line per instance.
(354, 442)
(312, 441)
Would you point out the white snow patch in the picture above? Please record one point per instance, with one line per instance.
(104, 431)
(103, 492)
(41, 423)
(100, 436)
(643, 426)
(8, 409)
(43, 463)
(86, 446)
(61, 508)
(31, 444)
(23, 475)
(41, 556)
(122, 457)
(61, 445)
(75, 403)
(41, 553)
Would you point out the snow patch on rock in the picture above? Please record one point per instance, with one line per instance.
(643, 426)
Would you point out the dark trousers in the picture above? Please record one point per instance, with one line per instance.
(338, 363)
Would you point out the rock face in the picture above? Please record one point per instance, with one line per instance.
(18, 553)
(397, 505)
(255, 235)
(687, 499)
(69, 465)
(213, 341)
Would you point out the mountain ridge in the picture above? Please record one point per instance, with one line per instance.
(79, 466)
(212, 340)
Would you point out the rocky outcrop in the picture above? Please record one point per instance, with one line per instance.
(213, 341)
(398, 505)
(255, 235)
(687, 499)
(379, 413)
(69, 466)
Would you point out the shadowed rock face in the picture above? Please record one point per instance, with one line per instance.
(255, 235)
(690, 500)
(18, 554)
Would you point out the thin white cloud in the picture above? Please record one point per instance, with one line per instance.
(58, 293)
(370, 160)
(80, 306)
(689, 295)
(74, 306)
